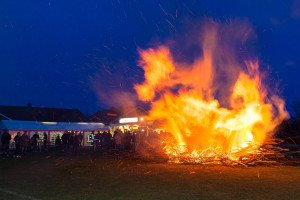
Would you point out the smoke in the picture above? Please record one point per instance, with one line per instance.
(112, 96)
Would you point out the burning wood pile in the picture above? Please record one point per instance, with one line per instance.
(217, 107)
(270, 153)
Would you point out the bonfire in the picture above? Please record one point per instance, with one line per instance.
(217, 108)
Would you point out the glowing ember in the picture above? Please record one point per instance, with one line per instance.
(185, 99)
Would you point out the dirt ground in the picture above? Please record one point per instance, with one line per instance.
(110, 176)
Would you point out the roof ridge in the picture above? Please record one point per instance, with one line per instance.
(40, 107)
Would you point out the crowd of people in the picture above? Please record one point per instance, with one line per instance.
(71, 141)
(137, 141)
(23, 143)
(125, 140)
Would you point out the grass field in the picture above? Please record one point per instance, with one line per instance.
(109, 176)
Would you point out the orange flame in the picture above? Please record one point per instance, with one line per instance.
(183, 99)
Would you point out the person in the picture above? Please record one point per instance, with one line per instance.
(76, 143)
(114, 139)
(81, 138)
(127, 140)
(107, 140)
(64, 140)
(133, 140)
(118, 141)
(109, 136)
(96, 141)
(24, 143)
(71, 141)
(91, 139)
(17, 140)
(100, 141)
(34, 139)
(105, 143)
(138, 141)
(5, 139)
(45, 140)
(57, 143)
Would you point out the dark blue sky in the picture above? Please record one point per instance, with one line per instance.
(65, 54)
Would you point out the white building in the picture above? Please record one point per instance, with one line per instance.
(52, 129)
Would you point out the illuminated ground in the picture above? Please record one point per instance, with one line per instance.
(95, 176)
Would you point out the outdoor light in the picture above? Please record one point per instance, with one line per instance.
(128, 120)
(49, 122)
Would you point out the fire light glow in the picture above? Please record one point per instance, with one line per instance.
(184, 98)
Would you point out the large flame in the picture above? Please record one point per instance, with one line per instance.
(184, 98)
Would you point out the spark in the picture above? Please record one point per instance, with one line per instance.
(142, 16)
(163, 9)
(170, 23)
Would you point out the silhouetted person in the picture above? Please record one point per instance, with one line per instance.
(81, 138)
(127, 140)
(100, 140)
(58, 143)
(71, 141)
(107, 140)
(76, 144)
(34, 140)
(17, 140)
(45, 140)
(114, 139)
(133, 140)
(24, 143)
(92, 138)
(5, 139)
(118, 141)
(65, 140)
(97, 141)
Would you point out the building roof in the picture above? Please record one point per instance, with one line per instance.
(105, 116)
(113, 115)
(36, 125)
(29, 113)
(134, 111)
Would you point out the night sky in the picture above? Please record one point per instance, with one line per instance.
(80, 54)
